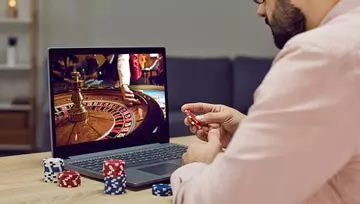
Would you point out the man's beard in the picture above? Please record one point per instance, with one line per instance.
(286, 22)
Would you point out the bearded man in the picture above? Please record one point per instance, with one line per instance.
(300, 142)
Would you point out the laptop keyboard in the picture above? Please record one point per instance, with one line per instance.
(137, 158)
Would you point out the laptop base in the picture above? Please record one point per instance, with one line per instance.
(137, 176)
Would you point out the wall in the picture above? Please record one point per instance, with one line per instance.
(14, 83)
(186, 28)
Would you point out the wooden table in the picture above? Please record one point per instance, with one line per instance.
(21, 182)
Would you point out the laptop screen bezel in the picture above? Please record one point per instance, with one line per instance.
(98, 146)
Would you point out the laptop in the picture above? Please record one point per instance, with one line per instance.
(91, 121)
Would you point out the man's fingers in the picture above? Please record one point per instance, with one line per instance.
(184, 158)
(187, 121)
(212, 117)
(193, 130)
(202, 135)
(214, 136)
(198, 107)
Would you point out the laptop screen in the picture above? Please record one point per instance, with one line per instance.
(107, 98)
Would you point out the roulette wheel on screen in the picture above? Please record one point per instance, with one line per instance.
(85, 115)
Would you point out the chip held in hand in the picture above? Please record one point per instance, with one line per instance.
(192, 118)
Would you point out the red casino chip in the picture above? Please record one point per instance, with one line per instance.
(192, 118)
(113, 168)
(69, 179)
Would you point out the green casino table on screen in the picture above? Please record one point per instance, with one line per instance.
(156, 92)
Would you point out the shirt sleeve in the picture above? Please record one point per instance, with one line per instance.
(298, 134)
(124, 69)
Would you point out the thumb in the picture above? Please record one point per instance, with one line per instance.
(212, 117)
(198, 107)
(214, 136)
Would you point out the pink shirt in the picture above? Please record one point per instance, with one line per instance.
(300, 141)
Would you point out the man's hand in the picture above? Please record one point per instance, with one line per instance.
(204, 152)
(212, 116)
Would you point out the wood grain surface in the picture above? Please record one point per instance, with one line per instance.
(21, 183)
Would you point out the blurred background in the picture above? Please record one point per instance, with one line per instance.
(221, 47)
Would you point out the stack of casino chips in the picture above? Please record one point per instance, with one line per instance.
(114, 177)
(161, 190)
(69, 179)
(52, 168)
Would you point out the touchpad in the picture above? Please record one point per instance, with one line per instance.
(161, 169)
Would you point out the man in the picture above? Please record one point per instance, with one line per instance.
(61, 69)
(108, 70)
(300, 141)
(89, 67)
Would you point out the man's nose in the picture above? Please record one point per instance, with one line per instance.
(261, 10)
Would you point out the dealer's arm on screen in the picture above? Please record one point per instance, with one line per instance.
(130, 70)
(124, 71)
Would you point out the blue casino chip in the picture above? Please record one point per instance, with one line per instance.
(115, 185)
(161, 189)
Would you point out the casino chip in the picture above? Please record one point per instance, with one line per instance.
(161, 189)
(52, 168)
(192, 119)
(113, 168)
(115, 185)
(114, 177)
(69, 179)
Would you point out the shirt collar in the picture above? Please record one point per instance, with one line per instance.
(340, 8)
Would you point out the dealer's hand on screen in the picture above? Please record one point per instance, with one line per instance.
(94, 75)
(70, 81)
(212, 116)
(128, 96)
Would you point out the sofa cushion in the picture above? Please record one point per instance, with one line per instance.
(177, 126)
(198, 80)
(248, 75)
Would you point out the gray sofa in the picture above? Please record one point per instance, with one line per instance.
(231, 82)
